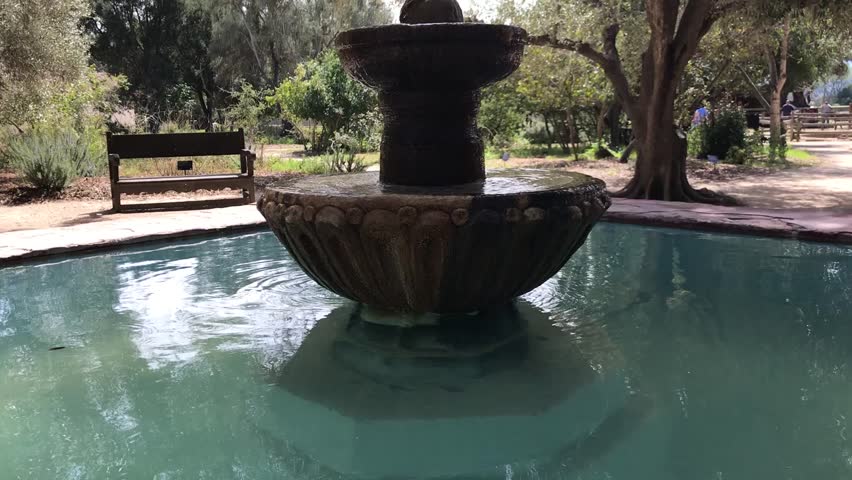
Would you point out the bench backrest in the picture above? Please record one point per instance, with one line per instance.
(176, 144)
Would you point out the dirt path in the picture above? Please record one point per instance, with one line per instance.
(827, 185)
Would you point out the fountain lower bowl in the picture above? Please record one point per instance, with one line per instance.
(447, 249)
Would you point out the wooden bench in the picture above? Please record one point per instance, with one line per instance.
(123, 147)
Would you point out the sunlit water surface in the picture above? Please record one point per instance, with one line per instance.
(654, 355)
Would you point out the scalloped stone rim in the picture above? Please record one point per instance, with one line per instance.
(443, 253)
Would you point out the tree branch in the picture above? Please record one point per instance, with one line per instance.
(695, 23)
(757, 91)
(785, 51)
(608, 60)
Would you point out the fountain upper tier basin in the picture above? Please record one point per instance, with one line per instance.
(433, 56)
(445, 249)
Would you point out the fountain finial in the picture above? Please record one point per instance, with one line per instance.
(431, 11)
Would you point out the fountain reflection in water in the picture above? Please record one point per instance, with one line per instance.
(469, 397)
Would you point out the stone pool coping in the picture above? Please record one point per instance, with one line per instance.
(819, 225)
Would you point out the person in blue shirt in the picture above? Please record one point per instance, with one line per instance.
(788, 109)
(700, 115)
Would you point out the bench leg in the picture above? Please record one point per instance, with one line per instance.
(250, 193)
(116, 201)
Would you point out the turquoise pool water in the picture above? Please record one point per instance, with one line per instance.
(654, 355)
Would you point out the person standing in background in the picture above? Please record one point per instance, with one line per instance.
(825, 112)
(788, 109)
(700, 116)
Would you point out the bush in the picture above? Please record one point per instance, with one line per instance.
(320, 91)
(738, 156)
(500, 118)
(314, 166)
(723, 130)
(50, 160)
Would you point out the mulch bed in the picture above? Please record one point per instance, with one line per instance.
(13, 192)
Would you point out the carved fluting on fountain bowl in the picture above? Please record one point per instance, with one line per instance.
(451, 249)
(430, 233)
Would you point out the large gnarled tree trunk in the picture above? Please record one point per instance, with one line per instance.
(661, 147)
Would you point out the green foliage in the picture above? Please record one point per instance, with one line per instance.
(247, 110)
(73, 117)
(777, 149)
(599, 151)
(738, 156)
(49, 160)
(566, 92)
(162, 49)
(844, 96)
(501, 115)
(332, 162)
(322, 92)
(262, 41)
(313, 166)
(181, 57)
(41, 49)
(724, 129)
(85, 107)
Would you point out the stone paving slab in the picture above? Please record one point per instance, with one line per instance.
(820, 225)
(25, 244)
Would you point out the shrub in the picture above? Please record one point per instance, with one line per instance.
(50, 160)
(723, 130)
(601, 151)
(696, 146)
(738, 156)
(500, 117)
(314, 166)
(248, 110)
(341, 159)
(320, 91)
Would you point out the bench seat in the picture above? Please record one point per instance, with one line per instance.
(186, 183)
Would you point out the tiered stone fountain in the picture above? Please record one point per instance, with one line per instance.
(435, 372)
(431, 234)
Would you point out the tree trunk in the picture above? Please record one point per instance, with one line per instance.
(276, 65)
(778, 77)
(601, 121)
(547, 131)
(775, 117)
(660, 145)
(628, 151)
(206, 103)
(676, 30)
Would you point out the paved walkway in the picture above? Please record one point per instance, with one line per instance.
(827, 185)
(803, 224)
(126, 230)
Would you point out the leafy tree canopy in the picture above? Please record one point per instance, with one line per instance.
(321, 91)
(41, 46)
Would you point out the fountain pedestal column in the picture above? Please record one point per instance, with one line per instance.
(431, 138)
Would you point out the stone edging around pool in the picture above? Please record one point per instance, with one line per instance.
(832, 226)
(814, 225)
